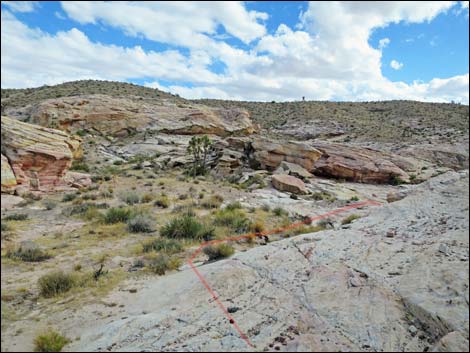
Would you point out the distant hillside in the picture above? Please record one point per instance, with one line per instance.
(387, 121)
(23, 97)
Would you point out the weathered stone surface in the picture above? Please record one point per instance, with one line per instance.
(452, 342)
(270, 154)
(10, 201)
(314, 288)
(289, 183)
(8, 178)
(293, 169)
(78, 180)
(358, 164)
(450, 156)
(393, 196)
(120, 117)
(39, 157)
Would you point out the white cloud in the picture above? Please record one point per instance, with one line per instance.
(21, 6)
(396, 65)
(174, 22)
(327, 57)
(384, 42)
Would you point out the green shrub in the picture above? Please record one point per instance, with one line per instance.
(213, 201)
(168, 246)
(80, 165)
(16, 217)
(215, 252)
(5, 226)
(69, 197)
(131, 198)
(147, 198)
(162, 263)
(141, 223)
(50, 341)
(279, 212)
(163, 201)
(116, 215)
(55, 283)
(28, 254)
(350, 218)
(354, 198)
(185, 226)
(235, 219)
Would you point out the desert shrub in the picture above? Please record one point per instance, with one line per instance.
(86, 208)
(185, 226)
(354, 198)
(279, 212)
(323, 196)
(168, 246)
(257, 227)
(5, 226)
(49, 204)
(215, 252)
(198, 148)
(141, 223)
(162, 263)
(131, 198)
(69, 197)
(350, 218)
(213, 201)
(80, 165)
(147, 198)
(234, 205)
(235, 219)
(183, 196)
(28, 254)
(55, 283)
(50, 341)
(396, 180)
(116, 215)
(162, 201)
(16, 217)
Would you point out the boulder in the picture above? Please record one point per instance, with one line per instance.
(39, 157)
(8, 178)
(293, 169)
(270, 154)
(78, 180)
(289, 183)
(121, 117)
(359, 164)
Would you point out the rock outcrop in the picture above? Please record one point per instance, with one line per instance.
(337, 290)
(359, 164)
(120, 117)
(8, 177)
(39, 157)
(289, 183)
(293, 169)
(270, 154)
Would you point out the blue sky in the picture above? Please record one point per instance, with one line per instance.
(244, 50)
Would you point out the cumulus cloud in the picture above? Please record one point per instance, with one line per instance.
(325, 57)
(396, 65)
(21, 6)
(384, 42)
(175, 22)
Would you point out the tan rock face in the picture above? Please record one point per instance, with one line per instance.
(38, 156)
(120, 117)
(271, 154)
(8, 178)
(289, 183)
(358, 164)
(293, 169)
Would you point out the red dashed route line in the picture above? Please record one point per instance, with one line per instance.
(272, 231)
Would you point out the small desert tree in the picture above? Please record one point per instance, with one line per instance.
(199, 147)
